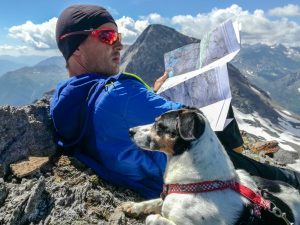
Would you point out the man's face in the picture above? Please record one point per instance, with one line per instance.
(98, 57)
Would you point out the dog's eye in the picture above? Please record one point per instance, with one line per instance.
(173, 134)
(160, 126)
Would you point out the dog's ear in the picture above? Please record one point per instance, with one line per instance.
(191, 125)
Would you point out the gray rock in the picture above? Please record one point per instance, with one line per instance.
(3, 192)
(28, 167)
(25, 131)
(66, 192)
(31, 207)
(117, 217)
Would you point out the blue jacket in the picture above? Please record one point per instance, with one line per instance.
(105, 145)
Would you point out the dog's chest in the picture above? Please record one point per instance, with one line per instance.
(220, 207)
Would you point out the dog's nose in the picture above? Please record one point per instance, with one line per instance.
(132, 132)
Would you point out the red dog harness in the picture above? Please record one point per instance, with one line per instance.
(259, 202)
(216, 185)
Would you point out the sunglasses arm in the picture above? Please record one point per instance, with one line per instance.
(74, 33)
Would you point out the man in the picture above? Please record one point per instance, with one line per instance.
(93, 110)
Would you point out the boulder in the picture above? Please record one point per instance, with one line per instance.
(39, 185)
(25, 131)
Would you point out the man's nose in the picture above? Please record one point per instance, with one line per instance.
(118, 46)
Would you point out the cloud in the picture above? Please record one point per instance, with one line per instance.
(7, 49)
(130, 28)
(285, 11)
(258, 29)
(155, 18)
(26, 50)
(256, 26)
(200, 24)
(38, 36)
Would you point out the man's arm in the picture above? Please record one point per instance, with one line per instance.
(159, 82)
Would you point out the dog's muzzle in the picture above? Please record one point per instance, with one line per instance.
(132, 132)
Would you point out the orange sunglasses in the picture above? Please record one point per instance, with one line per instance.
(106, 35)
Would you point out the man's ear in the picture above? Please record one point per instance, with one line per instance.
(191, 125)
(77, 52)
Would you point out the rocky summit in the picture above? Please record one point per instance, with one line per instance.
(39, 185)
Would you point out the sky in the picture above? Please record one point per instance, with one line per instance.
(28, 27)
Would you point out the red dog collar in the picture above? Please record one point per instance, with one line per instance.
(216, 185)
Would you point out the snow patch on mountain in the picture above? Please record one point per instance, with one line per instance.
(296, 165)
(286, 112)
(288, 117)
(255, 90)
(292, 53)
(286, 133)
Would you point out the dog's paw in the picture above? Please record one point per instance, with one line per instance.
(156, 219)
(152, 219)
(132, 208)
(136, 209)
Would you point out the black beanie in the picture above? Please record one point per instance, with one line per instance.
(78, 18)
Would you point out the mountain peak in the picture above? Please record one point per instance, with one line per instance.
(52, 61)
(148, 51)
(158, 28)
(161, 33)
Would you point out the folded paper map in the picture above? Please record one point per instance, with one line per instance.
(199, 75)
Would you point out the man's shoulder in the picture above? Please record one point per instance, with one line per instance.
(133, 79)
(119, 92)
(128, 84)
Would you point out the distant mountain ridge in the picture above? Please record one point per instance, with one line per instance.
(11, 63)
(27, 84)
(7, 65)
(275, 69)
(29, 60)
(52, 61)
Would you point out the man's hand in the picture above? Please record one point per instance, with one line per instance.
(160, 81)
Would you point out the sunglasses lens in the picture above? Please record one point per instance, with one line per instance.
(108, 36)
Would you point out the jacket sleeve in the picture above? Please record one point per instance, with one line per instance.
(123, 107)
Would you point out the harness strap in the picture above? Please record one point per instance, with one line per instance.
(257, 200)
(215, 185)
(254, 197)
(199, 187)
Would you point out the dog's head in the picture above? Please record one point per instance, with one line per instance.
(172, 132)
